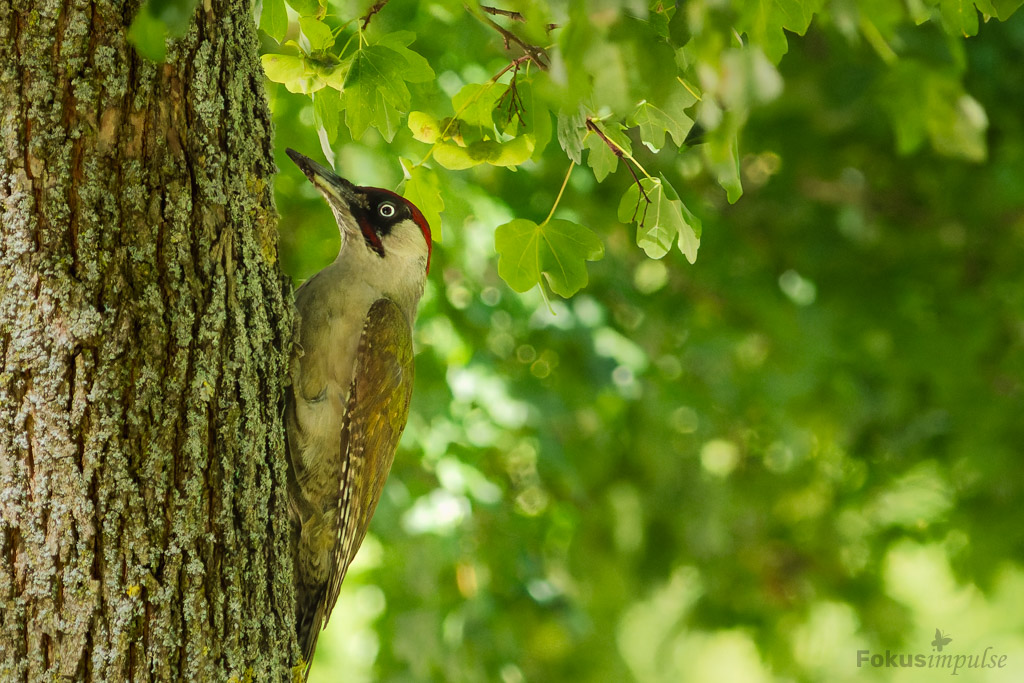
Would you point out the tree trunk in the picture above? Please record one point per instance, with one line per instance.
(145, 331)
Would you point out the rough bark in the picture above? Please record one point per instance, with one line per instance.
(144, 336)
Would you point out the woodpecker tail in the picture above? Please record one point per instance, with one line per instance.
(309, 621)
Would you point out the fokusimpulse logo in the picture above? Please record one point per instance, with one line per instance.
(937, 659)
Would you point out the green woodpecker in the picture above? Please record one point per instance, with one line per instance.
(351, 385)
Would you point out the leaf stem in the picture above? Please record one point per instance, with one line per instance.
(877, 41)
(561, 190)
(341, 28)
(348, 42)
(689, 89)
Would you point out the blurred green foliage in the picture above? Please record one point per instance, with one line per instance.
(805, 444)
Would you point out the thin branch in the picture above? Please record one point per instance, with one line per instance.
(514, 64)
(514, 16)
(377, 6)
(643, 195)
(621, 154)
(536, 54)
(515, 100)
(616, 150)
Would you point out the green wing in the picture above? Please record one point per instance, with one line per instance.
(378, 407)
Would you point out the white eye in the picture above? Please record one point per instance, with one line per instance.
(387, 209)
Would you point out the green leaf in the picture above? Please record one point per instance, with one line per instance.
(424, 190)
(326, 108)
(884, 15)
(417, 68)
(575, 40)
(647, 60)
(292, 71)
(609, 65)
(959, 17)
(325, 146)
(653, 235)
(283, 68)
(602, 159)
(723, 158)
(689, 239)
(1004, 8)
(474, 104)
(317, 33)
(658, 19)
(526, 113)
(274, 19)
(424, 127)
(364, 109)
(537, 118)
(309, 8)
(456, 157)
(334, 75)
(766, 22)
(654, 123)
(389, 119)
(660, 221)
(541, 127)
(374, 91)
(571, 129)
(679, 27)
(958, 129)
(558, 249)
(149, 35)
(514, 152)
(925, 104)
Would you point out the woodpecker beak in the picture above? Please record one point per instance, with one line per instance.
(334, 188)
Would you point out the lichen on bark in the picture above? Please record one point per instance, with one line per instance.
(145, 330)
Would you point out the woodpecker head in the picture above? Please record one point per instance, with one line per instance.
(373, 222)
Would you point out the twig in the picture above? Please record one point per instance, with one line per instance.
(515, 100)
(616, 150)
(514, 16)
(377, 6)
(536, 54)
(514, 64)
(621, 154)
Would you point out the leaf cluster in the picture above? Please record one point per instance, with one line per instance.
(672, 78)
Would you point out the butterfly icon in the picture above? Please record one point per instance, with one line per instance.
(940, 640)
